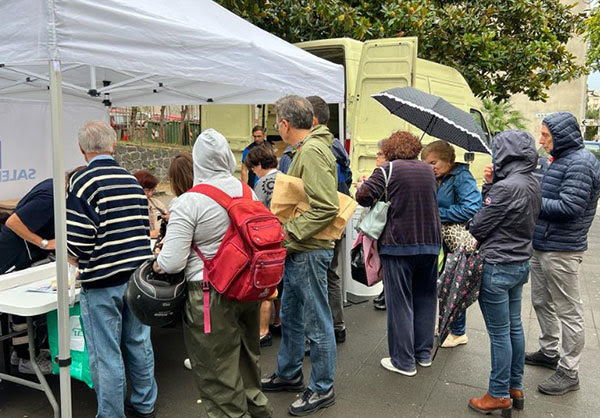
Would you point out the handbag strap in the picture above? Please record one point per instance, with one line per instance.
(387, 178)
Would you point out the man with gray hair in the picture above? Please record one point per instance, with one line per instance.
(304, 306)
(108, 232)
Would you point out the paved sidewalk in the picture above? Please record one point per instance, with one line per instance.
(363, 387)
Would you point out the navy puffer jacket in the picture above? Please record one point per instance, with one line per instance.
(570, 189)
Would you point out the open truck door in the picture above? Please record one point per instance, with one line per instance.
(384, 64)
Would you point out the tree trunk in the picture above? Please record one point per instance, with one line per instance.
(161, 124)
(182, 124)
(132, 131)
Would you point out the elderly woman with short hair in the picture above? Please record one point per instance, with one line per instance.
(409, 248)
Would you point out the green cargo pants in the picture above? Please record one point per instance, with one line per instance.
(225, 362)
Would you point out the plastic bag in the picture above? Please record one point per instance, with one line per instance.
(80, 363)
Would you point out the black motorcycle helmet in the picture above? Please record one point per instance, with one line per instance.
(155, 299)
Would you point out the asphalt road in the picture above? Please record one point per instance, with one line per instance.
(363, 387)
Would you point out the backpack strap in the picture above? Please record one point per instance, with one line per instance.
(205, 291)
(219, 195)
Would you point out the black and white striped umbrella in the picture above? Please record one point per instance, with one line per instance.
(435, 116)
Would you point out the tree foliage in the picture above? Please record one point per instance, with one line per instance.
(501, 47)
(501, 116)
(593, 37)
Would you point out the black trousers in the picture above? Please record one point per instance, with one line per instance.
(410, 297)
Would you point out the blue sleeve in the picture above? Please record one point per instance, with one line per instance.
(468, 200)
(36, 213)
(573, 196)
(245, 153)
(284, 163)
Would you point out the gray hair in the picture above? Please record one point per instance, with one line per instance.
(296, 110)
(96, 136)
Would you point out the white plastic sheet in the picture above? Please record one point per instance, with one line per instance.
(26, 146)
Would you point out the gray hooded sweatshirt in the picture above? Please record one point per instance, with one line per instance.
(194, 217)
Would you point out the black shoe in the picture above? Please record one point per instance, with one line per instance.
(130, 411)
(380, 306)
(267, 340)
(379, 298)
(274, 383)
(310, 402)
(538, 358)
(340, 335)
(559, 384)
(275, 329)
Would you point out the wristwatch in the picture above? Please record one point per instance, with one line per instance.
(44, 244)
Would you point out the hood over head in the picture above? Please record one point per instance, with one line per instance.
(565, 132)
(513, 152)
(212, 157)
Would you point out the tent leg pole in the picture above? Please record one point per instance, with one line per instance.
(60, 227)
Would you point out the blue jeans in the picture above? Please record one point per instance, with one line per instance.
(500, 301)
(305, 312)
(109, 324)
(459, 326)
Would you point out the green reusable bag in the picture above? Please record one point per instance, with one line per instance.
(373, 223)
(80, 363)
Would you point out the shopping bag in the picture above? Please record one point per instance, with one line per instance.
(80, 363)
(289, 201)
(374, 221)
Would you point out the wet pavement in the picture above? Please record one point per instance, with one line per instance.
(363, 387)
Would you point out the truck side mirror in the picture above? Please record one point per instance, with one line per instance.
(469, 157)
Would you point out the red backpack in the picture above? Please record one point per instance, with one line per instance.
(249, 263)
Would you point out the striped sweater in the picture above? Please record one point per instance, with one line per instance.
(107, 223)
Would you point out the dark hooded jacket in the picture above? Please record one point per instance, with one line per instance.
(570, 188)
(511, 204)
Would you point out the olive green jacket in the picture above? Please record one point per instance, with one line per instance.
(314, 163)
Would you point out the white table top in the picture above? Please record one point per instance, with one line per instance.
(16, 299)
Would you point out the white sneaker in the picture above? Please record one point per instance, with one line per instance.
(187, 364)
(455, 340)
(387, 364)
(424, 363)
(45, 365)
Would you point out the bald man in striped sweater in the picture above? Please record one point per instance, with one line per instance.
(108, 232)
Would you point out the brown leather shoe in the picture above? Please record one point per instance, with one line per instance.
(488, 404)
(518, 399)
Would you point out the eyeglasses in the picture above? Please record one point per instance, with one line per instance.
(379, 154)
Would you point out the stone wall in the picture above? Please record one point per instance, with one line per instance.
(154, 159)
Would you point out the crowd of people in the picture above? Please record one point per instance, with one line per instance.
(524, 226)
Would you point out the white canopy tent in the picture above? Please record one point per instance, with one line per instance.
(132, 52)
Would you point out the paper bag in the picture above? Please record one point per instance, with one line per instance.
(289, 201)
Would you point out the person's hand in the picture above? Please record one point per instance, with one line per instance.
(488, 173)
(157, 268)
(51, 245)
